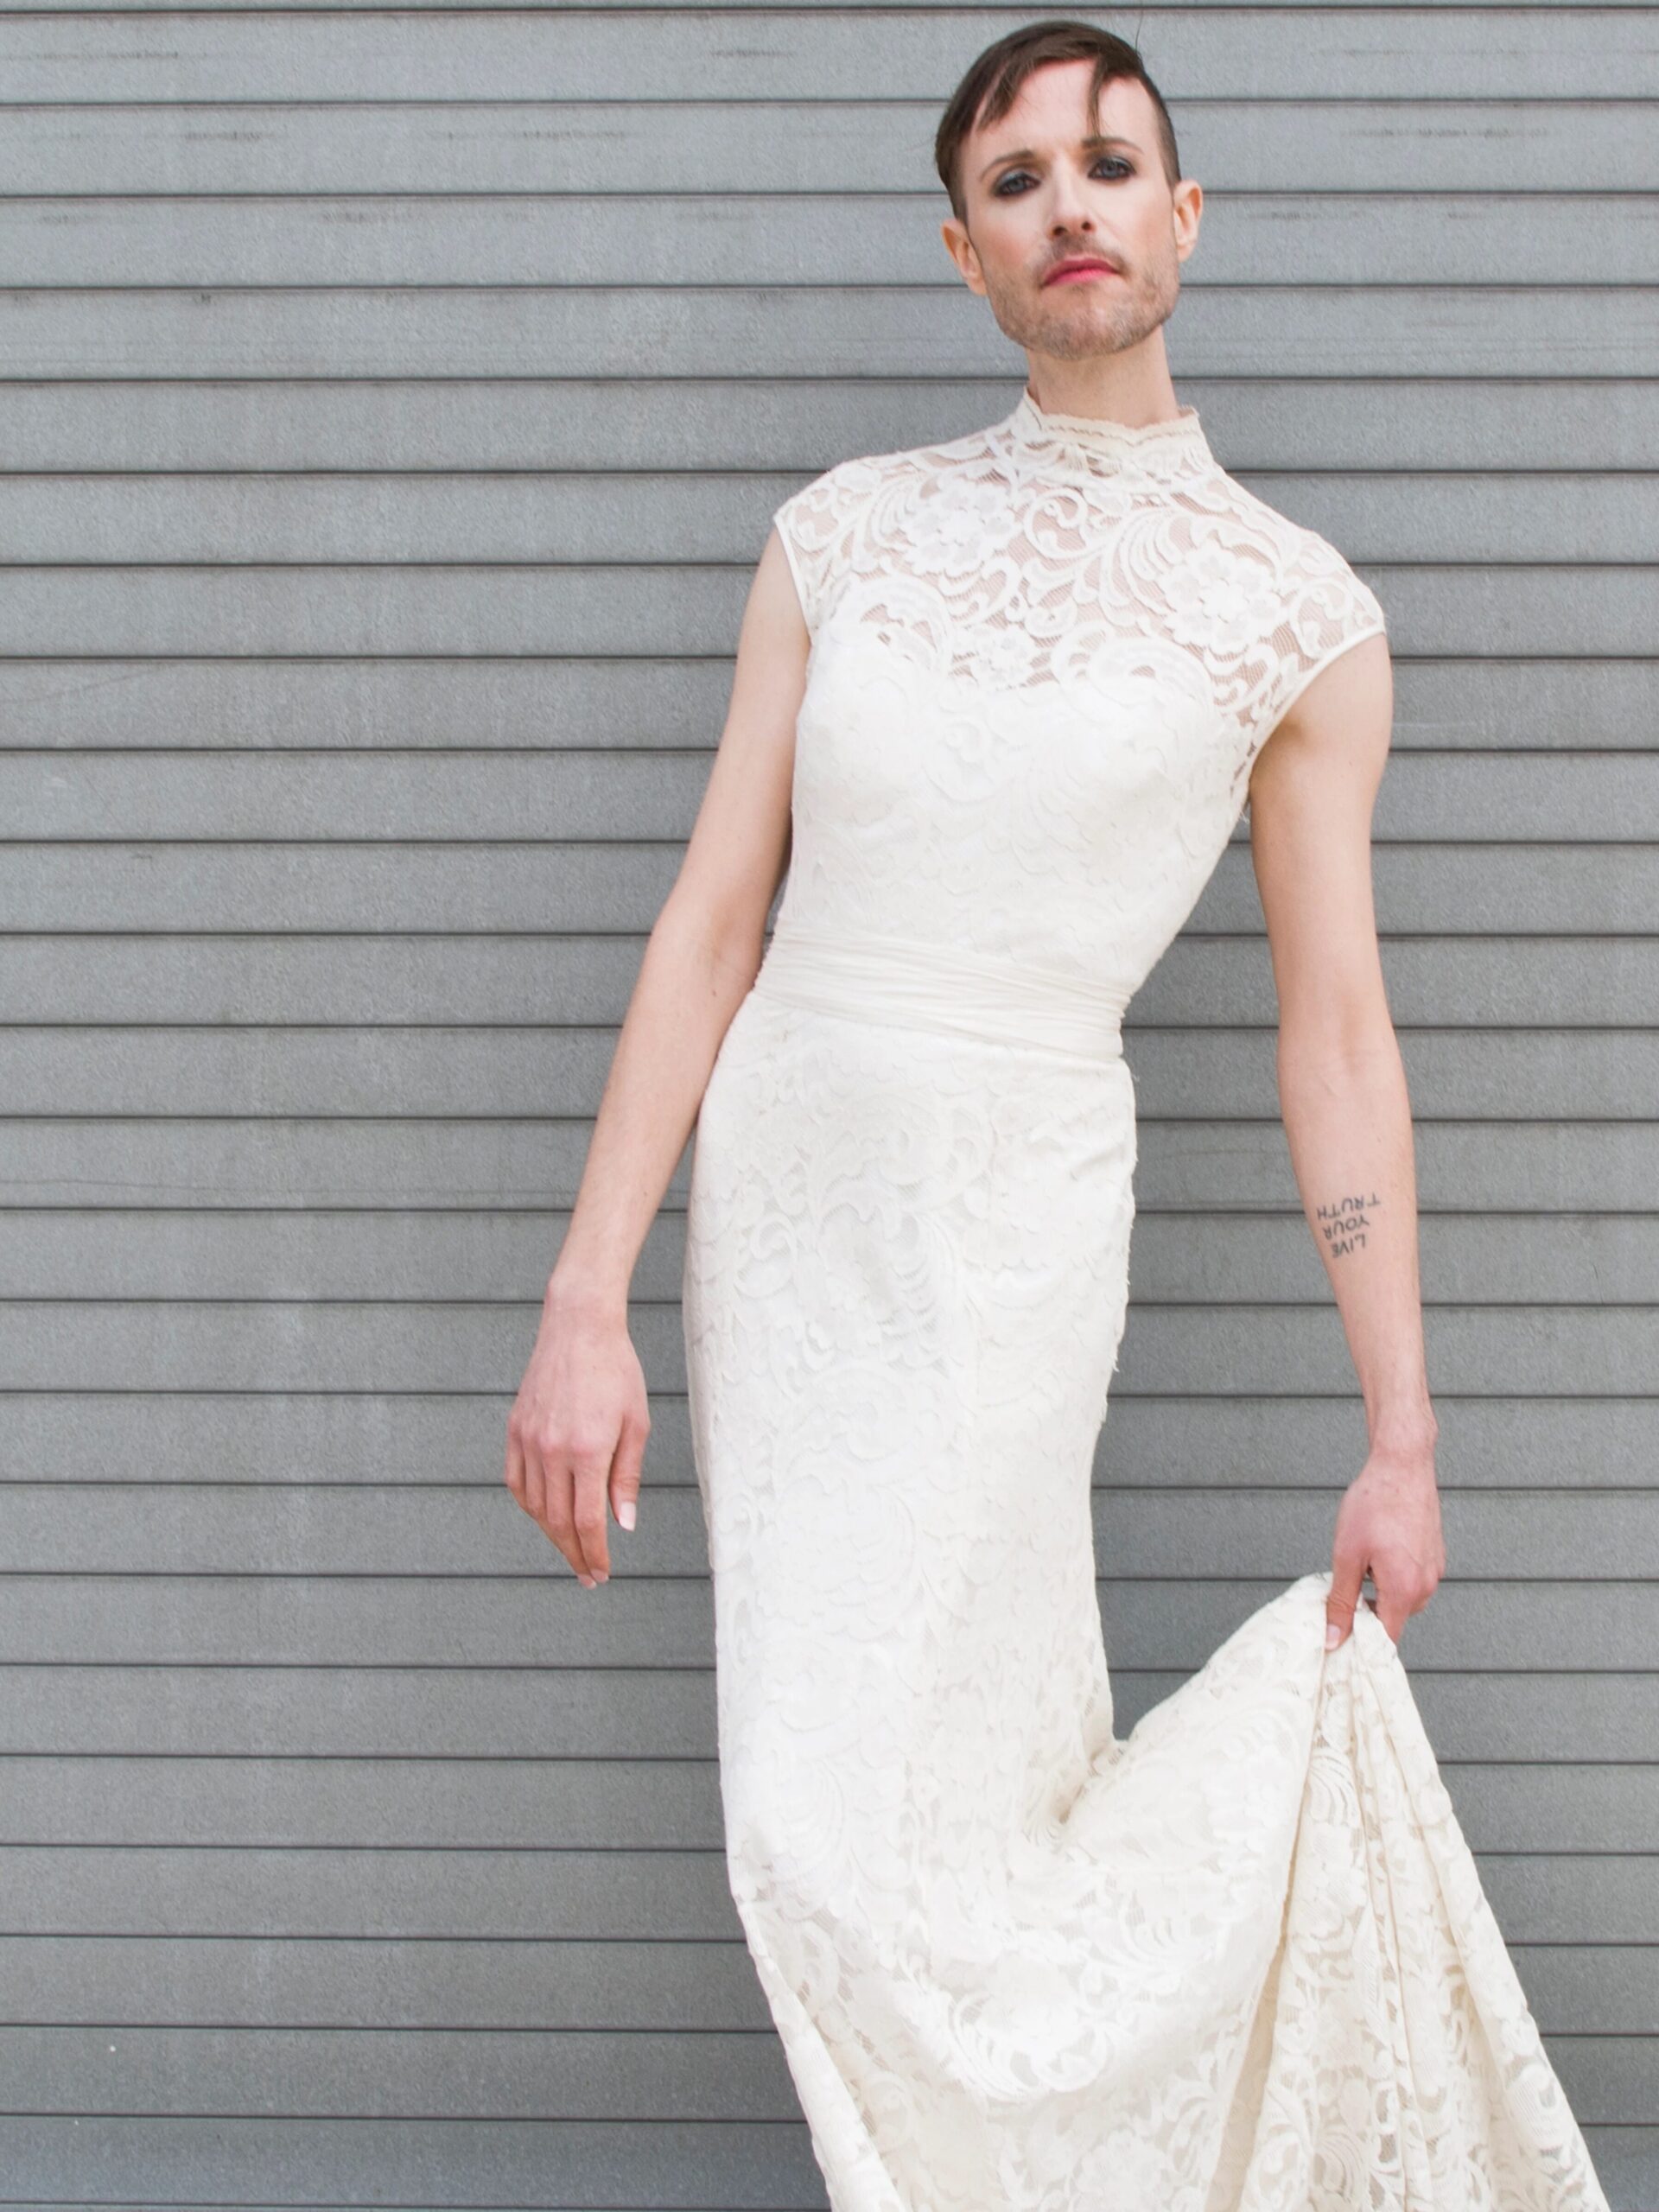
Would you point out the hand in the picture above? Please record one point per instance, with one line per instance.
(1389, 1523)
(577, 1433)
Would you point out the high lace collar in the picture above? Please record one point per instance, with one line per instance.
(1094, 445)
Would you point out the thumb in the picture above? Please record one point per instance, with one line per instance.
(1346, 1575)
(625, 1471)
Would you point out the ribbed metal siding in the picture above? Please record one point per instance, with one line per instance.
(392, 407)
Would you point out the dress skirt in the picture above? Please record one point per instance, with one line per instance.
(1236, 1959)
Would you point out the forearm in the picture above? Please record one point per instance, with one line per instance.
(1347, 1117)
(691, 981)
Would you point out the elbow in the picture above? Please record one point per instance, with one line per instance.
(1344, 1038)
(722, 939)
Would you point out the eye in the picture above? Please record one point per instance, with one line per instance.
(1017, 176)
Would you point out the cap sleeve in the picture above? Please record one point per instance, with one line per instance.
(1324, 609)
(812, 523)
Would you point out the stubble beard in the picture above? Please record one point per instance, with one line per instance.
(1078, 322)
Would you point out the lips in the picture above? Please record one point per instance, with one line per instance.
(1079, 266)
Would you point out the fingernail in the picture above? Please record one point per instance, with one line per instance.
(586, 1581)
(624, 1513)
(1333, 1635)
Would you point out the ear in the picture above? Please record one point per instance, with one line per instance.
(1189, 207)
(960, 247)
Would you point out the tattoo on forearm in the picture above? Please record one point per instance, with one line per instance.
(1344, 1226)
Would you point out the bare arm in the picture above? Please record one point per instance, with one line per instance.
(576, 1434)
(1342, 1088)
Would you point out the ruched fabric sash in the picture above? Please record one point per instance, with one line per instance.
(913, 985)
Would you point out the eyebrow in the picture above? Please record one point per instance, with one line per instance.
(1026, 154)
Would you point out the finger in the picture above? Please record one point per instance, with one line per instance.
(1391, 1613)
(590, 1474)
(535, 1481)
(560, 1521)
(515, 1469)
(626, 1472)
(1347, 1573)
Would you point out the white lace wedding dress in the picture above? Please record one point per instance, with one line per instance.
(1238, 1959)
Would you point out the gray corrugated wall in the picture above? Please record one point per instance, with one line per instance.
(393, 404)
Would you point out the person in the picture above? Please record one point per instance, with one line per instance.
(999, 703)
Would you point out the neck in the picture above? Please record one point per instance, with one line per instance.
(1136, 409)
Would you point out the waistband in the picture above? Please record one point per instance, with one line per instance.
(909, 985)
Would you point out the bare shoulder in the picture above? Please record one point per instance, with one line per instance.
(1330, 745)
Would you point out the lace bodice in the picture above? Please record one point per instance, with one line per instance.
(1045, 657)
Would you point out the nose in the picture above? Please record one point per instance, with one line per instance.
(1069, 207)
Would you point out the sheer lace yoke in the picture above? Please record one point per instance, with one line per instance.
(1063, 574)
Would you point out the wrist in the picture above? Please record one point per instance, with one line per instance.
(577, 1297)
(1406, 1434)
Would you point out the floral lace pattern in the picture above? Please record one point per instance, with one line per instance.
(1238, 1959)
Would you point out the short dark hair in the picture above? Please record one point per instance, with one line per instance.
(992, 85)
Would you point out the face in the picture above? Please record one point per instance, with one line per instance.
(1038, 194)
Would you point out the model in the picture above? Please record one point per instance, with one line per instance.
(1000, 702)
